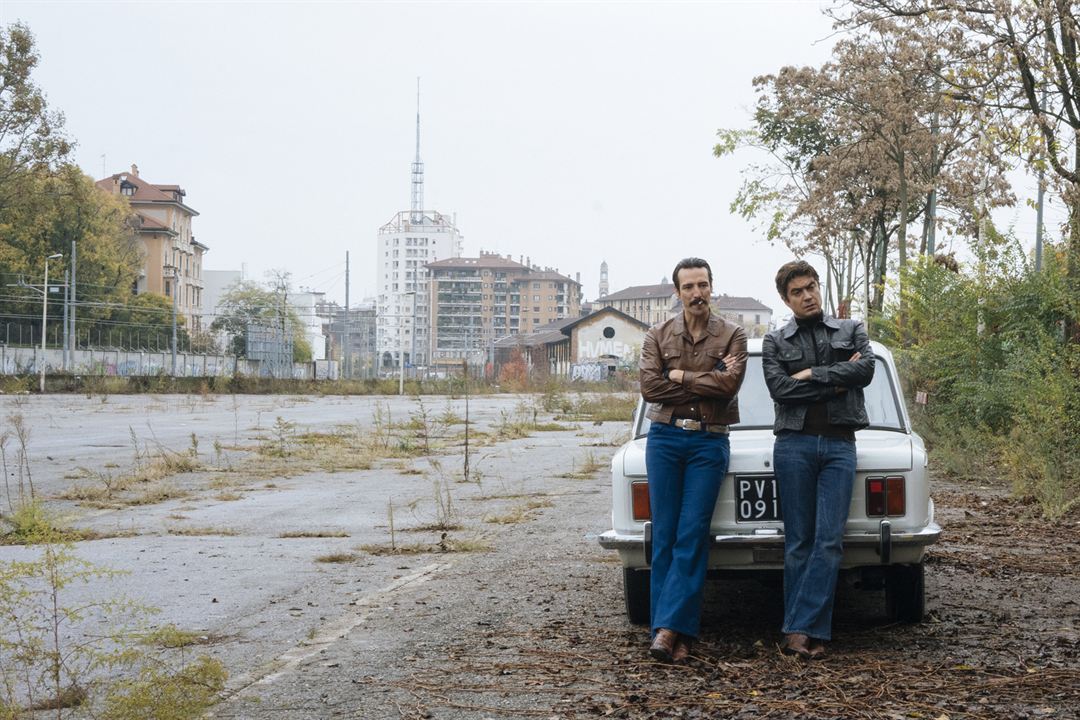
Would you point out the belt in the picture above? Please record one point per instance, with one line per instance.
(697, 425)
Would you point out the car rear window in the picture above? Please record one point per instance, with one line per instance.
(756, 407)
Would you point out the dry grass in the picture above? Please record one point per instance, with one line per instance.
(156, 493)
(445, 545)
(228, 496)
(197, 531)
(314, 534)
(337, 558)
(590, 465)
(519, 513)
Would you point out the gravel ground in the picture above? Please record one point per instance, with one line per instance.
(526, 619)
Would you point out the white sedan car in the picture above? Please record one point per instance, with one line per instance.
(890, 524)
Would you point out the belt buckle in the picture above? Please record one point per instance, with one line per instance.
(687, 424)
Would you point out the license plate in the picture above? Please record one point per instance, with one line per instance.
(756, 499)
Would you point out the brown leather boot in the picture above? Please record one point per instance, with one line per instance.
(663, 645)
(683, 645)
(796, 644)
(817, 649)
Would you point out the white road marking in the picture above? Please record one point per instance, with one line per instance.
(331, 632)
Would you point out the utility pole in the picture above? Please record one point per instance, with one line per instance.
(45, 314)
(412, 337)
(67, 295)
(346, 353)
(71, 313)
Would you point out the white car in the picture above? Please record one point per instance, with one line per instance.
(890, 523)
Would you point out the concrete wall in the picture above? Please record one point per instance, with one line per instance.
(127, 363)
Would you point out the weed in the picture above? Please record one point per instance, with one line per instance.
(158, 492)
(336, 558)
(314, 534)
(25, 481)
(31, 524)
(170, 636)
(590, 465)
(160, 691)
(228, 496)
(520, 513)
(196, 531)
(47, 659)
(281, 437)
(413, 549)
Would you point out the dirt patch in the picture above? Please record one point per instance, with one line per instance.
(1000, 639)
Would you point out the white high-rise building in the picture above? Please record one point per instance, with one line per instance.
(407, 243)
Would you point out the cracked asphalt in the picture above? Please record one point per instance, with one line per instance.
(516, 611)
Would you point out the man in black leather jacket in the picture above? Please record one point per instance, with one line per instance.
(815, 367)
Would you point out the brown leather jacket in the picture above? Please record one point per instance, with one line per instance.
(712, 392)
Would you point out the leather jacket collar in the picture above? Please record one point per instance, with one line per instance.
(793, 327)
(715, 326)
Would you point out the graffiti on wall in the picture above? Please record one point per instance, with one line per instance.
(589, 372)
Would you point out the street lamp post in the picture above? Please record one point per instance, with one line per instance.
(45, 315)
(401, 343)
(175, 277)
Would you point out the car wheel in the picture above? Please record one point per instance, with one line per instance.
(905, 593)
(636, 594)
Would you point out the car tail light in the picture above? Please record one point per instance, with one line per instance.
(639, 499)
(875, 496)
(885, 496)
(894, 495)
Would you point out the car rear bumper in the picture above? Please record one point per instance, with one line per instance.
(763, 551)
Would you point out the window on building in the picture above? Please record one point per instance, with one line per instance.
(536, 286)
(536, 309)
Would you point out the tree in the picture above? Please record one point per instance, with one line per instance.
(247, 303)
(1017, 60)
(52, 208)
(31, 137)
(856, 146)
(149, 318)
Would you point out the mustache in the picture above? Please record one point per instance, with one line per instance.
(697, 301)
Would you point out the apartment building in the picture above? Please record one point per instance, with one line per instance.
(172, 264)
(475, 301)
(405, 246)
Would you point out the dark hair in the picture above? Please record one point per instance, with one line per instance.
(690, 262)
(790, 271)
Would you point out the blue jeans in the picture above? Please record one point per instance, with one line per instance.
(685, 471)
(815, 476)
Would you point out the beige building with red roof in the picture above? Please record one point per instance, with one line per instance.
(655, 303)
(172, 258)
(475, 301)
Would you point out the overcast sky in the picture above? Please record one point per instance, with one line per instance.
(570, 133)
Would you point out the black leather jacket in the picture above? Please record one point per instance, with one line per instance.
(825, 348)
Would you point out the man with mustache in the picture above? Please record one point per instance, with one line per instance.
(691, 368)
(815, 367)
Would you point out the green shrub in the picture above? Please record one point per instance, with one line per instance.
(988, 347)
